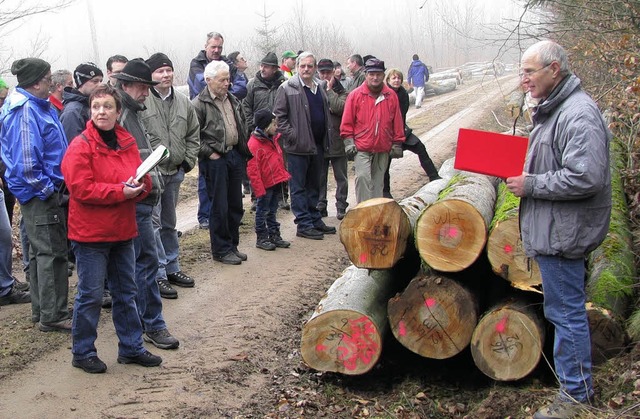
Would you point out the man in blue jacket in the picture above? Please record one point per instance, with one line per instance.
(33, 142)
(417, 76)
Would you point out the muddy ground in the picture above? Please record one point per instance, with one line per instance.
(240, 330)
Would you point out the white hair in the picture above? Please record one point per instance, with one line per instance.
(213, 68)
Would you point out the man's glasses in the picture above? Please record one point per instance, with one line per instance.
(528, 73)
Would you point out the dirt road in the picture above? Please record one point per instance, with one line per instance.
(240, 324)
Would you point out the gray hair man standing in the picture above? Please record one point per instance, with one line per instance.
(565, 207)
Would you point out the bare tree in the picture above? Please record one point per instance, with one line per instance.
(267, 35)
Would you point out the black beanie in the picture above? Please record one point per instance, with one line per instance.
(29, 71)
(158, 60)
(85, 72)
(262, 118)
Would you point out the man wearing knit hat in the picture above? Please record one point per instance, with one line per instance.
(30, 127)
(75, 114)
(170, 120)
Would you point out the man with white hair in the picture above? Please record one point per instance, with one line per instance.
(565, 207)
(223, 149)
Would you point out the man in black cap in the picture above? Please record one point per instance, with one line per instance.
(261, 94)
(335, 155)
(378, 138)
(30, 128)
(133, 82)
(87, 76)
(171, 121)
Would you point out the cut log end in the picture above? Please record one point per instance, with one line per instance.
(434, 317)
(608, 337)
(375, 233)
(341, 341)
(450, 235)
(507, 343)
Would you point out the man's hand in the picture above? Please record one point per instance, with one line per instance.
(516, 184)
(350, 148)
(396, 151)
(214, 156)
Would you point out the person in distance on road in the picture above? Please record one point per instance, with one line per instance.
(417, 76)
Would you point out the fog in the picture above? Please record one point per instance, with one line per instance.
(444, 32)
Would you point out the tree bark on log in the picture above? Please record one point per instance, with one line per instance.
(507, 342)
(434, 316)
(504, 247)
(346, 331)
(451, 233)
(375, 233)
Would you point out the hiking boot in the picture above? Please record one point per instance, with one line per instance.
(278, 242)
(19, 285)
(92, 365)
(107, 301)
(340, 214)
(241, 256)
(181, 279)
(323, 212)
(310, 233)
(228, 259)
(204, 225)
(265, 244)
(146, 359)
(558, 409)
(325, 229)
(60, 326)
(283, 204)
(15, 296)
(161, 339)
(166, 290)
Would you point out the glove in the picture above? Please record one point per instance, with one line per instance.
(396, 151)
(186, 166)
(350, 148)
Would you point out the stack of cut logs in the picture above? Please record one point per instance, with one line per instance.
(475, 286)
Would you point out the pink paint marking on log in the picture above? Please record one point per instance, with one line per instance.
(502, 324)
(363, 258)
(361, 346)
(320, 348)
(508, 248)
(453, 232)
(402, 328)
(430, 302)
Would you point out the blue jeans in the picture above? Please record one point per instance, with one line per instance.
(95, 262)
(146, 269)
(164, 225)
(6, 280)
(563, 284)
(204, 201)
(224, 186)
(304, 188)
(266, 209)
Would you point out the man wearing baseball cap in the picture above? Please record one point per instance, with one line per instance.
(372, 140)
(75, 114)
(29, 123)
(288, 64)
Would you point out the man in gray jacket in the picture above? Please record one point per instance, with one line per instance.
(564, 210)
(170, 120)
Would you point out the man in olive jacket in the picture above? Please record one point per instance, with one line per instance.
(170, 120)
(302, 112)
(223, 149)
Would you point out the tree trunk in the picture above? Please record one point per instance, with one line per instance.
(451, 233)
(434, 316)
(346, 331)
(507, 342)
(608, 337)
(375, 233)
(504, 247)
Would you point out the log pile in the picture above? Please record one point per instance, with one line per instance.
(477, 289)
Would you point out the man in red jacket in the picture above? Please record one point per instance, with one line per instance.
(372, 130)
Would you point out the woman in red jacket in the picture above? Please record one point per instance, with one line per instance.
(266, 172)
(98, 169)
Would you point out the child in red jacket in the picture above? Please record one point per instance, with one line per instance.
(266, 172)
